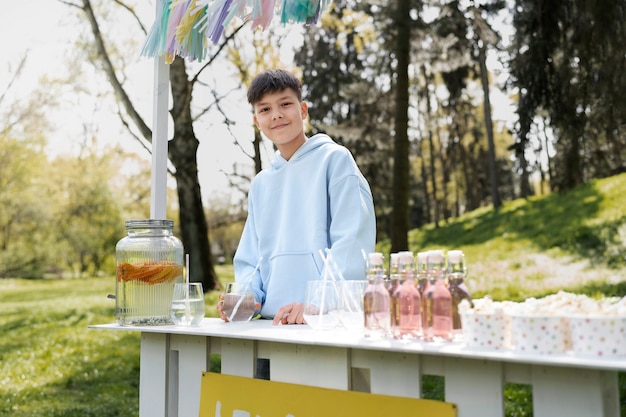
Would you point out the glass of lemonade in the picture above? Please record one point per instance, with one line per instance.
(187, 307)
(239, 303)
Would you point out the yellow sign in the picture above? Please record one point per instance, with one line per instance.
(233, 396)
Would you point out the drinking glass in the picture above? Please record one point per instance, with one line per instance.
(321, 302)
(350, 311)
(187, 307)
(239, 304)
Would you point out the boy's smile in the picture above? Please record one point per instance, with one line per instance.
(279, 116)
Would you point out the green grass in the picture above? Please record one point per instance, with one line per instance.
(53, 365)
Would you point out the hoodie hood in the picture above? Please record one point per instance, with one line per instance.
(311, 144)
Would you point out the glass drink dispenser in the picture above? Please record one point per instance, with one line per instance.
(149, 263)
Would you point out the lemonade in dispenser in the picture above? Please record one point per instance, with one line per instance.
(149, 263)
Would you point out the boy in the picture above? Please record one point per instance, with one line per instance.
(312, 197)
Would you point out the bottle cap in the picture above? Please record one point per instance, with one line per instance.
(405, 256)
(435, 256)
(455, 256)
(375, 258)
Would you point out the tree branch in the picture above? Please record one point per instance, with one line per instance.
(16, 75)
(216, 54)
(146, 132)
(139, 139)
(132, 12)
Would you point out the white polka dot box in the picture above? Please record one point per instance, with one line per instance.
(485, 326)
(598, 335)
(555, 324)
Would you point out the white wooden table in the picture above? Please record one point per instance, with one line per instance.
(173, 359)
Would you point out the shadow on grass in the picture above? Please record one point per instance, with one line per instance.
(593, 290)
(564, 216)
(523, 218)
(6, 329)
(107, 385)
(603, 289)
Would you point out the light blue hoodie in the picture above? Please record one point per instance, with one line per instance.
(317, 200)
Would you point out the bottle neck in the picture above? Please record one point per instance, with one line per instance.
(376, 274)
(406, 275)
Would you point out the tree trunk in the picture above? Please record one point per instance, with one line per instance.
(400, 211)
(183, 154)
(258, 139)
(548, 158)
(525, 191)
(431, 148)
(445, 174)
(427, 209)
(493, 172)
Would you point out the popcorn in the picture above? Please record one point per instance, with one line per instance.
(483, 305)
(465, 306)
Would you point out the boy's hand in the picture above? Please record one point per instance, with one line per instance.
(290, 314)
(220, 308)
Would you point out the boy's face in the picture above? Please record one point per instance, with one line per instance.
(279, 116)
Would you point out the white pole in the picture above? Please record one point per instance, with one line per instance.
(159, 138)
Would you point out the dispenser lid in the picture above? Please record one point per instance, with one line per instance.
(149, 223)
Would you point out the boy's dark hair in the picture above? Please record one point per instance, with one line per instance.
(273, 81)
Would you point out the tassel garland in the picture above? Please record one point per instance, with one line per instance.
(185, 27)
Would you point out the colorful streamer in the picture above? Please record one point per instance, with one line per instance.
(185, 27)
(188, 37)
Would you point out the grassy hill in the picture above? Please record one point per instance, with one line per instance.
(574, 241)
(52, 365)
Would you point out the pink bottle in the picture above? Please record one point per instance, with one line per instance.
(422, 272)
(456, 275)
(391, 283)
(408, 319)
(423, 286)
(376, 299)
(438, 299)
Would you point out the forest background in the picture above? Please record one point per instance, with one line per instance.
(405, 85)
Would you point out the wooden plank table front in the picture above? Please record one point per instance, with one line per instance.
(173, 359)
